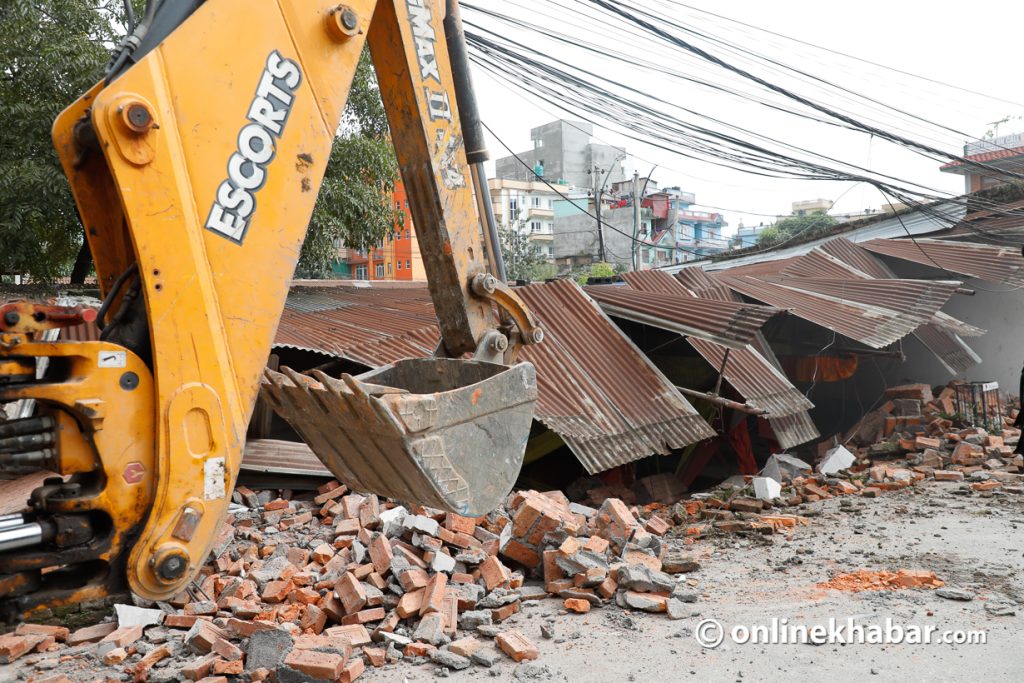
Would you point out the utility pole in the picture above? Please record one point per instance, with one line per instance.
(597, 212)
(636, 220)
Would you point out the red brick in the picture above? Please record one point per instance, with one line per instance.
(355, 634)
(226, 649)
(347, 527)
(14, 646)
(380, 554)
(521, 553)
(418, 649)
(459, 524)
(657, 526)
(353, 670)
(59, 633)
(375, 655)
(199, 668)
(351, 593)
(606, 589)
(91, 634)
(465, 647)
(552, 572)
(517, 646)
(324, 665)
(115, 656)
(502, 613)
(276, 591)
(434, 594)
(410, 603)
(276, 505)
(578, 605)
(413, 579)
(948, 475)
(494, 572)
(123, 637)
(364, 617)
(323, 553)
(313, 619)
(223, 668)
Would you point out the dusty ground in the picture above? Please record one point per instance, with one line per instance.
(971, 542)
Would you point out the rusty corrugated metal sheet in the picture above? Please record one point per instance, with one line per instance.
(1007, 221)
(954, 354)
(983, 261)
(755, 377)
(282, 457)
(698, 283)
(724, 322)
(597, 390)
(841, 258)
(874, 312)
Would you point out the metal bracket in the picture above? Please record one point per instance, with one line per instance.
(486, 286)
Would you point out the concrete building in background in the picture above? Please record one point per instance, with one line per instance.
(694, 234)
(397, 257)
(563, 152)
(1005, 153)
(528, 206)
(747, 235)
(807, 207)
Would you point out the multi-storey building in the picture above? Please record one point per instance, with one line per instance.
(528, 206)
(1005, 153)
(562, 151)
(396, 258)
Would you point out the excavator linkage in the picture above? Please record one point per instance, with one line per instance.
(195, 165)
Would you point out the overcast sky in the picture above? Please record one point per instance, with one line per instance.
(974, 46)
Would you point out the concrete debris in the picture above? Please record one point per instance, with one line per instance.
(320, 586)
(835, 460)
(766, 488)
(783, 467)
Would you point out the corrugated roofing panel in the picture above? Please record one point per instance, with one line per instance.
(952, 352)
(282, 457)
(609, 402)
(725, 322)
(597, 391)
(939, 335)
(699, 283)
(858, 309)
(983, 261)
(752, 374)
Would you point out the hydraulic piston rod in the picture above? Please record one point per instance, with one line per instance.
(21, 536)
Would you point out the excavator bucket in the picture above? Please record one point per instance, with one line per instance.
(440, 432)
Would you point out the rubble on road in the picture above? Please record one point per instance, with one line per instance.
(865, 580)
(319, 587)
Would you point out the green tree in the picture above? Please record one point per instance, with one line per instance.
(354, 206)
(51, 51)
(521, 258)
(797, 227)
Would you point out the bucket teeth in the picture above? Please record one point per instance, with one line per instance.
(445, 433)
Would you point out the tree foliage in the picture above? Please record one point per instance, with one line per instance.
(51, 51)
(521, 257)
(354, 206)
(797, 227)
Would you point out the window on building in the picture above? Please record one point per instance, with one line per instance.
(513, 208)
(535, 202)
(379, 270)
(389, 269)
(399, 265)
(534, 226)
(406, 204)
(408, 263)
(360, 272)
(406, 234)
(398, 206)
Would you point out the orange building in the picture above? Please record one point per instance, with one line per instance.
(398, 257)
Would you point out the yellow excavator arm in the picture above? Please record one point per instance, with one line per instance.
(195, 166)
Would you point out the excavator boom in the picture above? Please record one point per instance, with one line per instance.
(195, 166)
